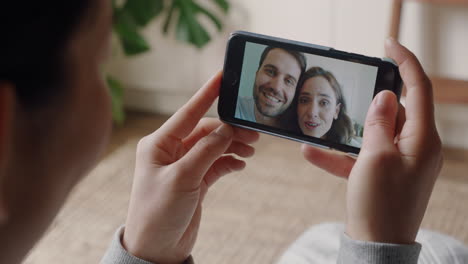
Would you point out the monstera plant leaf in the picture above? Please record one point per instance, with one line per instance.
(188, 27)
(131, 16)
(116, 92)
(143, 11)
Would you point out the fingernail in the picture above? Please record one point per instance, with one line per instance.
(240, 166)
(390, 41)
(383, 99)
(378, 99)
(225, 131)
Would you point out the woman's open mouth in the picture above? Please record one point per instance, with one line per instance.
(311, 125)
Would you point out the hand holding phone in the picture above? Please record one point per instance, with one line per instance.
(175, 167)
(390, 183)
(300, 91)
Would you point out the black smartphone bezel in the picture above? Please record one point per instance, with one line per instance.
(232, 73)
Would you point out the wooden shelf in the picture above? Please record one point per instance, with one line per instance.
(450, 90)
(446, 91)
(443, 2)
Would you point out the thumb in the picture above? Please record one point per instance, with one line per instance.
(379, 129)
(198, 160)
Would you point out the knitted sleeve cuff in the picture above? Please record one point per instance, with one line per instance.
(363, 252)
(116, 253)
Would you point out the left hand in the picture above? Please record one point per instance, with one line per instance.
(175, 166)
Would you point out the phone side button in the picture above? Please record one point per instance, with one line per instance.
(231, 77)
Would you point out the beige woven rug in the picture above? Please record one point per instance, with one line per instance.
(249, 217)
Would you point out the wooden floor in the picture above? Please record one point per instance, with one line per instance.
(249, 217)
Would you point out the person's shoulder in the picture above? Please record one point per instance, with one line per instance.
(244, 109)
(245, 100)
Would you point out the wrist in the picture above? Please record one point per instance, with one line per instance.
(135, 247)
(132, 248)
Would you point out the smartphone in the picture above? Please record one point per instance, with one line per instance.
(303, 92)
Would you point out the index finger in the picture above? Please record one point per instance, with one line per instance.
(187, 117)
(335, 163)
(207, 125)
(419, 98)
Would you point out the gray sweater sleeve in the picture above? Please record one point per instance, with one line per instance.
(362, 252)
(116, 253)
(351, 251)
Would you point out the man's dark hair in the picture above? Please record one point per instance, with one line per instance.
(300, 58)
(34, 36)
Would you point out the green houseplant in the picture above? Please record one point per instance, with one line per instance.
(131, 16)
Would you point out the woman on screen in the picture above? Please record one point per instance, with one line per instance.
(321, 107)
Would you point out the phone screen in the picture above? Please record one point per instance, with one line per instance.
(300, 91)
(305, 94)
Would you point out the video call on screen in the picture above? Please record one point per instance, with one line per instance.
(305, 94)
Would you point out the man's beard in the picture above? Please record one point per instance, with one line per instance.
(258, 91)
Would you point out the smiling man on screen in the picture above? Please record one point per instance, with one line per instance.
(274, 88)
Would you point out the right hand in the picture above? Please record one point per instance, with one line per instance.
(390, 183)
(175, 166)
